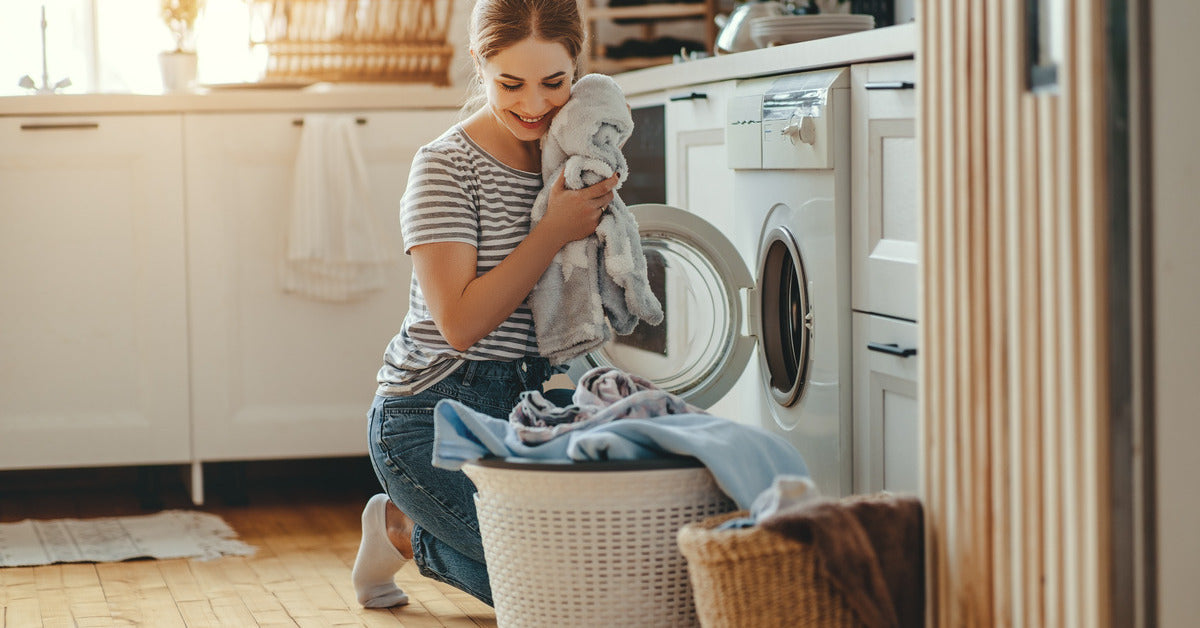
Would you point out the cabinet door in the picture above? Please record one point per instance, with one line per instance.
(884, 195)
(93, 338)
(698, 179)
(276, 374)
(887, 439)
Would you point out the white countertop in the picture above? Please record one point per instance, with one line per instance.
(318, 97)
(892, 42)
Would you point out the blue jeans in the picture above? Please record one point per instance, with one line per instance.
(446, 542)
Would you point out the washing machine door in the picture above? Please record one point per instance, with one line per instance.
(698, 351)
(785, 313)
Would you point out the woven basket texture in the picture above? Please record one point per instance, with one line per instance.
(354, 40)
(746, 577)
(579, 548)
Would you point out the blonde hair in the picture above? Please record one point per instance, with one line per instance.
(498, 24)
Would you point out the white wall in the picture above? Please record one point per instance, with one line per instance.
(1175, 48)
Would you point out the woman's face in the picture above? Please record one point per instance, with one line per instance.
(526, 84)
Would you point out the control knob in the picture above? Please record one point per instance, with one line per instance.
(801, 129)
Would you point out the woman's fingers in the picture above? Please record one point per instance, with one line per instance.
(603, 188)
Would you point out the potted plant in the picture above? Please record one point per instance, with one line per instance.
(179, 65)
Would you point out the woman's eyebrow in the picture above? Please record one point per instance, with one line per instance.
(548, 78)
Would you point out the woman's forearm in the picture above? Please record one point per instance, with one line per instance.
(488, 300)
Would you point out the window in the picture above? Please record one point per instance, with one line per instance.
(113, 45)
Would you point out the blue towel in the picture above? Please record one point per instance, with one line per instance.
(743, 459)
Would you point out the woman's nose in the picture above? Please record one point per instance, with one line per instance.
(535, 101)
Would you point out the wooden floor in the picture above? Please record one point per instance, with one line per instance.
(303, 518)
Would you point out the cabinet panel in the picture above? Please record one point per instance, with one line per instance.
(93, 344)
(886, 421)
(698, 179)
(277, 374)
(885, 176)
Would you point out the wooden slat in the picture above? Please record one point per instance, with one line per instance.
(1050, 465)
(939, 492)
(929, 394)
(999, 436)
(1065, 281)
(1095, 559)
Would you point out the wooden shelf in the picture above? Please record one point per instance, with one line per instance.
(649, 15)
(648, 11)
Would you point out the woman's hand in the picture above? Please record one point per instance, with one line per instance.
(574, 214)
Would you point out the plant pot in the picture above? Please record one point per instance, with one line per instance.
(178, 71)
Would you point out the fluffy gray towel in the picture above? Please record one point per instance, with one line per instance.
(605, 273)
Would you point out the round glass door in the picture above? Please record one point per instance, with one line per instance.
(698, 351)
(785, 315)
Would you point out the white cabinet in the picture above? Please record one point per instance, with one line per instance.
(276, 374)
(885, 179)
(884, 276)
(93, 330)
(698, 178)
(886, 427)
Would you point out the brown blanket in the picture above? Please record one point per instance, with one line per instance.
(872, 548)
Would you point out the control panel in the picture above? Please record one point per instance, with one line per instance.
(784, 122)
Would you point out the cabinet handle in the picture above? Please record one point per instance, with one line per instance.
(892, 348)
(891, 85)
(691, 96)
(300, 121)
(60, 126)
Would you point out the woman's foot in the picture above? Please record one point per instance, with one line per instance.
(381, 553)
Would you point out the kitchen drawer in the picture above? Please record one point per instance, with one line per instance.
(884, 169)
(887, 434)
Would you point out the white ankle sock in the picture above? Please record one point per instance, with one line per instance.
(378, 560)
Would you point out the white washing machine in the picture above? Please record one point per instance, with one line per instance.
(772, 293)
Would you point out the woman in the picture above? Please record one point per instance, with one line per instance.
(468, 335)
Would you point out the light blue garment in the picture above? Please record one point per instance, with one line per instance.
(743, 459)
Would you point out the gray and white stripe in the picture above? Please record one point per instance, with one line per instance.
(457, 192)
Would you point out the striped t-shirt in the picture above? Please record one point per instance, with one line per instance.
(457, 192)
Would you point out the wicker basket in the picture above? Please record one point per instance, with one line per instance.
(753, 577)
(591, 544)
(354, 40)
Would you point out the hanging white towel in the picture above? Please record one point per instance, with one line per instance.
(333, 249)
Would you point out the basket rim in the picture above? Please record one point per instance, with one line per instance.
(533, 464)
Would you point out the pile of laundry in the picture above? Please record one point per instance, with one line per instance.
(617, 416)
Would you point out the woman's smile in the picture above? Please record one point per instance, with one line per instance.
(530, 123)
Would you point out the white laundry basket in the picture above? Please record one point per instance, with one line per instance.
(591, 544)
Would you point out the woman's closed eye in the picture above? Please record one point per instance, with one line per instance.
(512, 87)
